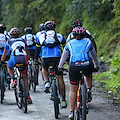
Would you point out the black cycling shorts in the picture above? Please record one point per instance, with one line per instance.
(32, 52)
(46, 62)
(74, 71)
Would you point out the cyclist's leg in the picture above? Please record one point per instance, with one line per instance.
(88, 79)
(61, 84)
(74, 75)
(45, 74)
(24, 75)
(10, 64)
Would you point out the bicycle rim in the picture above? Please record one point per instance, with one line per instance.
(24, 96)
(34, 81)
(55, 99)
(2, 86)
(18, 97)
(83, 95)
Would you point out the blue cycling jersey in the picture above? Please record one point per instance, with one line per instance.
(79, 50)
(51, 52)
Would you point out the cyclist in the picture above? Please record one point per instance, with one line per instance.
(50, 42)
(88, 80)
(81, 53)
(30, 40)
(77, 23)
(31, 43)
(42, 30)
(3, 39)
(19, 54)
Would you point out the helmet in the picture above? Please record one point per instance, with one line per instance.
(50, 25)
(77, 23)
(41, 27)
(2, 28)
(78, 31)
(15, 32)
(28, 30)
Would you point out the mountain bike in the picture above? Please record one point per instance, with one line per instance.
(81, 108)
(20, 89)
(54, 89)
(2, 81)
(32, 78)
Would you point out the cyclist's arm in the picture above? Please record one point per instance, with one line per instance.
(94, 57)
(94, 45)
(63, 58)
(5, 52)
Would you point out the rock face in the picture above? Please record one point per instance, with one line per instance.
(103, 66)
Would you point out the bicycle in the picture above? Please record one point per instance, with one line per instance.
(54, 89)
(32, 78)
(20, 89)
(2, 81)
(81, 108)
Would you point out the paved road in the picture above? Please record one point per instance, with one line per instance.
(42, 107)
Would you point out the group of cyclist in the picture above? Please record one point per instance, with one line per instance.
(80, 50)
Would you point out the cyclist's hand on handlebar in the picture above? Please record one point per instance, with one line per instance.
(60, 68)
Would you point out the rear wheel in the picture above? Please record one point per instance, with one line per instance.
(34, 81)
(24, 96)
(2, 86)
(18, 95)
(55, 99)
(83, 101)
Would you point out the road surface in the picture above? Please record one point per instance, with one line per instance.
(42, 107)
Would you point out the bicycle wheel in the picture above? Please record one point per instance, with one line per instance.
(77, 107)
(2, 86)
(34, 80)
(24, 96)
(83, 101)
(18, 95)
(55, 99)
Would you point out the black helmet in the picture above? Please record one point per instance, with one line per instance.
(77, 23)
(50, 25)
(2, 28)
(28, 30)
(78, 31)
(15, 32)
(41, 27)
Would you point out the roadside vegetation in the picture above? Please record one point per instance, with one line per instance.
(100, 17)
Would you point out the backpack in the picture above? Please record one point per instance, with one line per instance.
(30, 40)
(18, 48)
(3, 40)
(51, 39)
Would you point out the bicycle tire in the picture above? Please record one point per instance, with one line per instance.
(77, 107)
(34, 80)
(24, 95)
(2, 86)
(55, 99)
(18, 95)
(83, 101)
